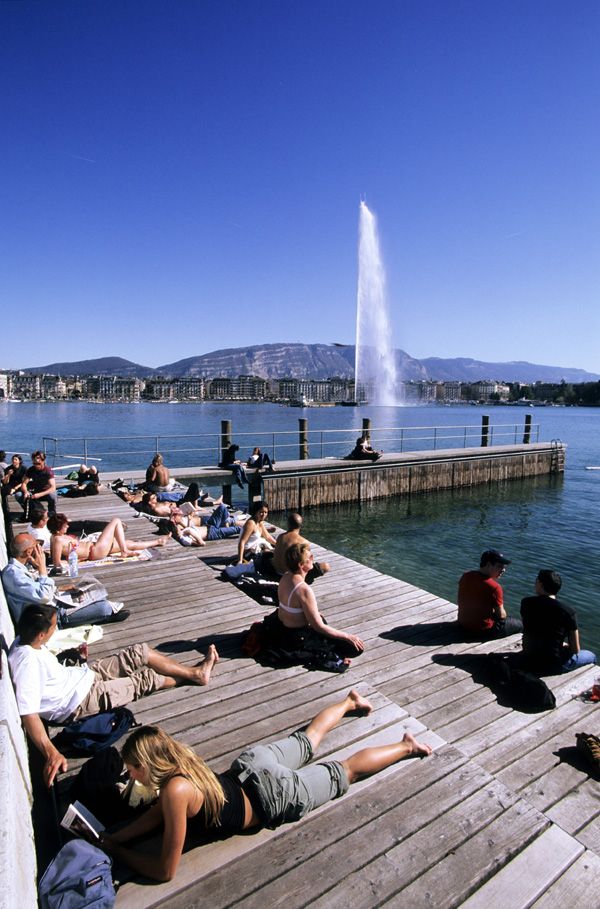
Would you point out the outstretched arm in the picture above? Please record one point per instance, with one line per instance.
(314, 619)
(55, 761)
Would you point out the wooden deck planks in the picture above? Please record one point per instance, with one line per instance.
(422, 833)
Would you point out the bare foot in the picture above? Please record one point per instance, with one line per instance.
(359, 703)
(416, 748)
(162, 540)
(204, 669)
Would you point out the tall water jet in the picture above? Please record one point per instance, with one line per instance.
(375, 366)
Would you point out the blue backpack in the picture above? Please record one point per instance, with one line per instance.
(79, 876)
(95, 733)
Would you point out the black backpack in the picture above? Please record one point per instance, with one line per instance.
(95, 733)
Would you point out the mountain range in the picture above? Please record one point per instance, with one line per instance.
(318, 361)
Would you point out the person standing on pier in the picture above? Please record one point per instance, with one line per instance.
(481, 599)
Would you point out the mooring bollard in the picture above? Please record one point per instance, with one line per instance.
(527, 430)
(485, 431)
(303, 439)
(366, 428)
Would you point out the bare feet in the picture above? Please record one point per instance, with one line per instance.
(418, 749)
(203, 670)
(358, 703)
(162, 540)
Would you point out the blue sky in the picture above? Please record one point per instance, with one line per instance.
(179, 175)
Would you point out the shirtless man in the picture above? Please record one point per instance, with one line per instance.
(287, 539)
(157, 475)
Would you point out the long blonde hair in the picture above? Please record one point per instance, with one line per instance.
(164, 758)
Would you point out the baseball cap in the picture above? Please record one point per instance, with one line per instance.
(494, 557)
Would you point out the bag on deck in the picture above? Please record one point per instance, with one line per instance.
(95, 733)
(79, 877)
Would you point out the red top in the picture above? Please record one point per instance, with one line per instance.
(479, 601)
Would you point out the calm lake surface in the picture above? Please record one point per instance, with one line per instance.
(429, 540)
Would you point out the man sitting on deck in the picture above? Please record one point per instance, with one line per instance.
(481, 600)
(547, 624)
(287, 539)
(47, 690)
(26, 582)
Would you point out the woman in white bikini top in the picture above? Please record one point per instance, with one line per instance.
(298, 604)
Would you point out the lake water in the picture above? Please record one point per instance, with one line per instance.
(546, 522)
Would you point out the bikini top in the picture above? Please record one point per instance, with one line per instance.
(293, 610)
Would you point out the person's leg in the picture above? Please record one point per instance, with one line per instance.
(221, 533)
(170, 497)
(87, 615)
(219, 517)
(583, 658)
(330, 716)
(178, 674)
(503, 628)
(192, 493)
(371, 760)
(111, 535)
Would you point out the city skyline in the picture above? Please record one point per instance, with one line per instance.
(171, 170)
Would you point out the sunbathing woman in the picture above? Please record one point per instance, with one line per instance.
(265, 786)
(111, 540)
(255, 537)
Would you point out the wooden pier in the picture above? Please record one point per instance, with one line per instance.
(504, 813)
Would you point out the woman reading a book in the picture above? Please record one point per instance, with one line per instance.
(111, 540)
(266, 786)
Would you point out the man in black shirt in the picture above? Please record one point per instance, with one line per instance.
(550, 634)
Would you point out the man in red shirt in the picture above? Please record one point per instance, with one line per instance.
(481, 601)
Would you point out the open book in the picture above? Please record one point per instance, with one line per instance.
(81, 822)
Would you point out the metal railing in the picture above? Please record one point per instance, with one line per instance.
(204, 449)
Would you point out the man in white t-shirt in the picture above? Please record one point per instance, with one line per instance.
(47, 690)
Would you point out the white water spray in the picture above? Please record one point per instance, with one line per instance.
(375, 367)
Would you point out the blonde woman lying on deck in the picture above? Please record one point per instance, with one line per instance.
(111, 540)
(266, 786)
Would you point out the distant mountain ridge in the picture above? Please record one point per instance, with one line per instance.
(318, 361)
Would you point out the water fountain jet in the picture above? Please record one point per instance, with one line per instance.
(375, 365)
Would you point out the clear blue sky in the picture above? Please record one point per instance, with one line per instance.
(183, 175)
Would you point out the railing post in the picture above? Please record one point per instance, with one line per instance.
(156, 445)
(402, 439)
(225, 443)
(303, 438)
(527, 430)
(225, 437)
(485, 430)
(434, 438)
(85, 453)
(366, 428)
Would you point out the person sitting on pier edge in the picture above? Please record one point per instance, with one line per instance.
(266, 786)
(363, 451)
(38, 484)
(111, 540)
(157, 476)
(47, 690)
(550, 633)
(22, 588)
(229, 461)
(13, 476)
(259, 459)
(481, 600)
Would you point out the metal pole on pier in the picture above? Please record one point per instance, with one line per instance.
(225, 443)
(527, 430)
(366, 428)
(303, 438)
(485, 431)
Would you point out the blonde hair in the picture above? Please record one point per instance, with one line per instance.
(295, 555)
(164, 758)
